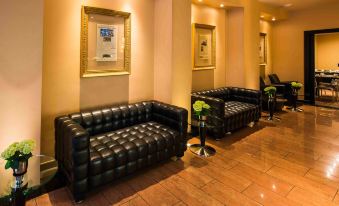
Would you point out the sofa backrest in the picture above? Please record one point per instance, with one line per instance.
(245, 95)
(232, 94)
(274, 78)
(223, 93)
(112, 118)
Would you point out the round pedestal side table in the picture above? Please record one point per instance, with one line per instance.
(202, 149)
(41, 170)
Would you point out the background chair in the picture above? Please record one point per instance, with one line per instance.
(279, 96)
(321, 87)
(287, 89)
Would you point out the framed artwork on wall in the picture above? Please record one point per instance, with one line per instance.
(105, 42)
(204, 43)
(263, 49)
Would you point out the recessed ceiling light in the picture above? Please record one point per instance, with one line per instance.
(262, 16)
(199, 0)
(273, 19)
(222, 5)
(288, 5)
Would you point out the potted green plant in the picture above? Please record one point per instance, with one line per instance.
(201, 109)
(296, 86)
(270, 92)
(17, 155)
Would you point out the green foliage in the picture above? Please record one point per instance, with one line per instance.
(201, 108)
(270, 91)
(17, 151)
(296, 85)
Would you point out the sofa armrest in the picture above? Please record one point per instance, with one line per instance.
(170, 115)
(215, 118)
(217, 105)
(72, 153)
(280, 88)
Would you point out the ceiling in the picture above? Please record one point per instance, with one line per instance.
(217, 3)
(297, 4)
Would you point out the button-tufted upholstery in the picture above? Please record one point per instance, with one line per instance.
(98, 146)
(287, 90)
(232, 108)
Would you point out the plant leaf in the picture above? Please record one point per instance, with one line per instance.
(8, 164)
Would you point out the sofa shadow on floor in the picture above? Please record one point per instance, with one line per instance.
(242, 133)
(127, 188)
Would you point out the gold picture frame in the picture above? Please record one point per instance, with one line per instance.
(263, 49)
(93, 66)
(203, 46)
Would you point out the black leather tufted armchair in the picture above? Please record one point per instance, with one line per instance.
(232, 108)
(98, 146)
(288, 88)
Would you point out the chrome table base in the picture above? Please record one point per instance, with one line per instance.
(203, 151)
(272, 118)
(292, 109)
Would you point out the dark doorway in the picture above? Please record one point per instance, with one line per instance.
(309, 62)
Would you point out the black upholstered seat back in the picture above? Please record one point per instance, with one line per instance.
(274, 78)
(245, 95)
(113, 118)
(223, 93)
(262, 84)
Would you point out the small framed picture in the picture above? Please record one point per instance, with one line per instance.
(263, 49)
(204, 43)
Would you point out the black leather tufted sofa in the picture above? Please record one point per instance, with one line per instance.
(232, 108)
(98, 146)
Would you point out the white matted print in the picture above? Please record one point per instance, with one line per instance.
(263, 49)
(203, 46)
(204, 49)
(106, 49)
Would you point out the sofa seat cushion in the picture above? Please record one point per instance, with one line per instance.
(123, 151)
(239, 114)
(235, 108)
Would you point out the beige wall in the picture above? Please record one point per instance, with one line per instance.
(173, 66)
(251, 43)
(242, 54)
(288, 38)
(266, 27)
(161, 66)
(163, 49)
(20, 71)
(327, 51)
(235, 73)
(182, 64)
(202, 80)
(61, 63)
(209, 79)
(63, 89)
(139, 84)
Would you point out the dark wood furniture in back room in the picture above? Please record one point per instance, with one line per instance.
(95, 147)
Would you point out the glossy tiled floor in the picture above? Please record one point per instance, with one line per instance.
(293, 162)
